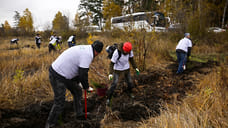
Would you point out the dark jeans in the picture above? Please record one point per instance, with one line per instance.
(116, 75)
(51, 47)
(38, 45)
(59, 86)
(70, 44)
(181, 58)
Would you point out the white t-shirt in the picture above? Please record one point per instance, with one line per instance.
(123, 62)
(184, 43)
(52, 37)
(53, 41)
(70, 39)
(14, 40)
(68, 63)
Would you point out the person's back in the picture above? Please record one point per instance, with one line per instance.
(84, 55)
(183, 44)
(14, 41)
(71, 41)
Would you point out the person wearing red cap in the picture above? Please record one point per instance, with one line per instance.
(120, 65)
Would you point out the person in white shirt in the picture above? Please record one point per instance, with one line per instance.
(38, 40)
(54, 44)
(14, 41)
(70, 68)
(183, 49)
(120, 65)
(71, 41)
(52, 37)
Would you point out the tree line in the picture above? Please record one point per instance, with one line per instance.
(193, 15)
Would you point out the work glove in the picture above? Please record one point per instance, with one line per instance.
(137, 71)
(110, 76)
(90, 89)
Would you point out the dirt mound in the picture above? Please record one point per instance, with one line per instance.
(152, 88)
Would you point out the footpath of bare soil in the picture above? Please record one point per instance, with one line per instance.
(153, 87)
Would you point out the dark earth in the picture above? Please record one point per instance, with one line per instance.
(153, 87)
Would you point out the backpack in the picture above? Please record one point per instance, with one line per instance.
(110, 50)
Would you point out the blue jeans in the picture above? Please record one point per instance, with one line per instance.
(70, 44)
(181, 58)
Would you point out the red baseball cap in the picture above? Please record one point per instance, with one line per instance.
(127, 46)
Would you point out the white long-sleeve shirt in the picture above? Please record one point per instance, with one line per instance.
(183, 44)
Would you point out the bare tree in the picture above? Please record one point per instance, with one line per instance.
(224, 14)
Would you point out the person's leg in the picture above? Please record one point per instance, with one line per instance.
(113, 85)
(76, 91)
(50, 47)
(181, 57)
(69, 44)
(128, 79)
(59, 100)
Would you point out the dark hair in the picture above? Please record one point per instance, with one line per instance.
(97, 45)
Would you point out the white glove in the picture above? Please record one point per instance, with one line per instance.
(80, 85)
(137, 71)
(110, 76)
(90, 89)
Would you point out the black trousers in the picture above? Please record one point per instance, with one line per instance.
(59, 86)
(116, 75)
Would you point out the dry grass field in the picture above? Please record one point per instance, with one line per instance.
(198, 99)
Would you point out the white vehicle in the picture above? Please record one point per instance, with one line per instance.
(216, 29)
(92, 28)
(148, 21)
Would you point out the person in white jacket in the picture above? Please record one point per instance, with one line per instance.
(183, 49)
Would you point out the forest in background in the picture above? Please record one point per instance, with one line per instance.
(194, 16)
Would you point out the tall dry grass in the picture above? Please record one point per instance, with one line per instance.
(24, 73)
(24, 68)
(205, 107)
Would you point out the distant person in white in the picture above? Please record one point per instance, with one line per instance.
(70, 68)
(52, 37)
(14, 41)
(38, 40)
(54, 44)
(183, 49)
(71, 41)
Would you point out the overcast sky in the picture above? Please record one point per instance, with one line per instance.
(43, 11)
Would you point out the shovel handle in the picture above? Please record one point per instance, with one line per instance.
(85, 104)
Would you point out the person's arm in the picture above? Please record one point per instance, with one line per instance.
(111, 67)
(132, 62)
(189, 51)
(73, 40)
(83, 77)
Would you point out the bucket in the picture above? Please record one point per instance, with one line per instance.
(102, 91)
